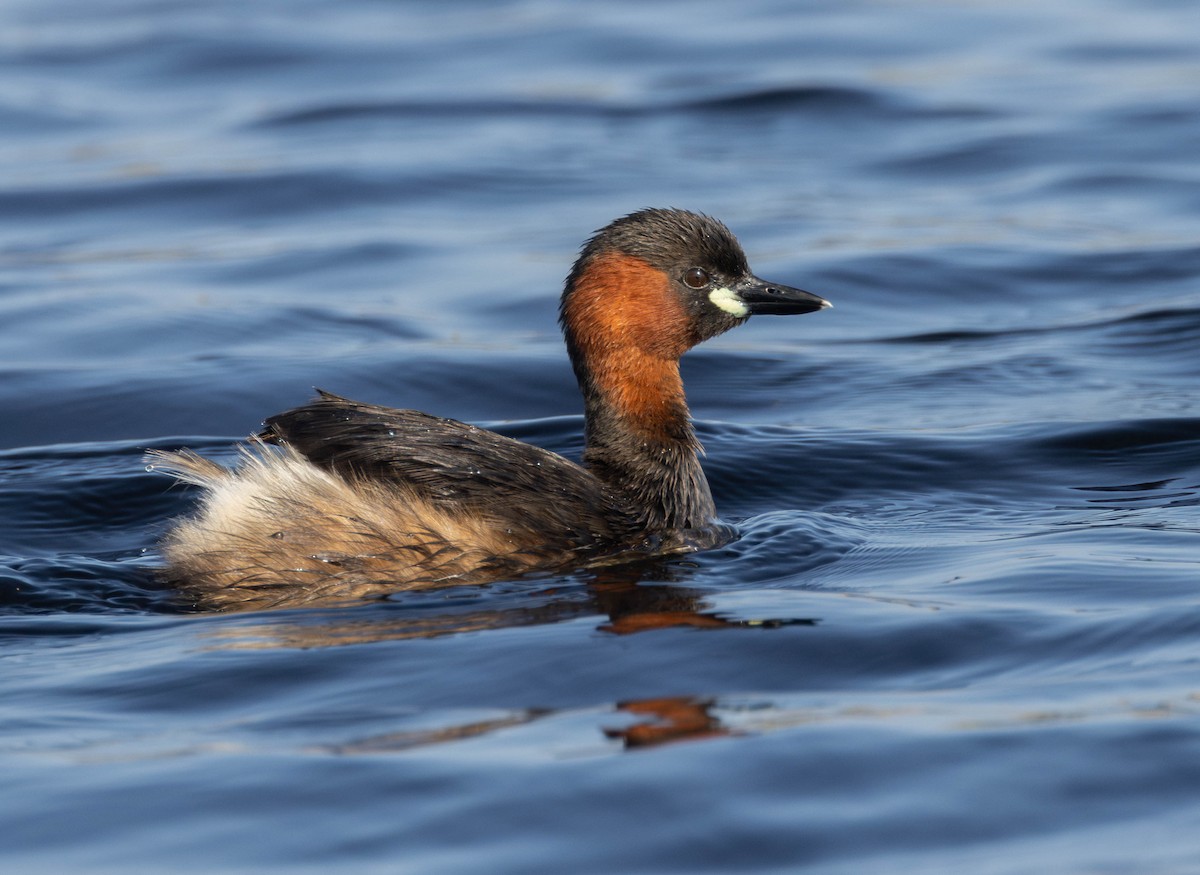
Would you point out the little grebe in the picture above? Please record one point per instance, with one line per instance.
(338, 499)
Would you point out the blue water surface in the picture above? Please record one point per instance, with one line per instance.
(959, 630)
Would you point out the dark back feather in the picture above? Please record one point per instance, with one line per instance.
(461, 468)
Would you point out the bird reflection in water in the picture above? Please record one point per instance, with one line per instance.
(618, 593)
(657, 721)
(667, 719)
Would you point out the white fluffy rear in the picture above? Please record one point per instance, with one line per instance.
(277, 530)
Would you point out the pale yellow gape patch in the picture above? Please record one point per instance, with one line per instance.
(726, 299)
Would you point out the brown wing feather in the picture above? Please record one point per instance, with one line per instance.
(458, 468)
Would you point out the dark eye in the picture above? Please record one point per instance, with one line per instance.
(697, 278)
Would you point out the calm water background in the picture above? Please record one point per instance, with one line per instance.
(959, 632)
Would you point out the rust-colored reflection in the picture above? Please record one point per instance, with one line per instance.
(618, 594)
(632, 606)
(675, 718)
(658, 721)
